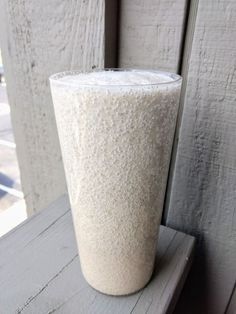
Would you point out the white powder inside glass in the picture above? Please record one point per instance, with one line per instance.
(116, 78)
(116, 143)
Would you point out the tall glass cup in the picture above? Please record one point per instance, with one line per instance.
(116, 130)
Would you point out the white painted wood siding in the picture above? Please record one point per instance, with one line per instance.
(38, 38)
(203, 191)
(151, 33)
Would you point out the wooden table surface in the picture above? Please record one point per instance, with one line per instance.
(40, 270)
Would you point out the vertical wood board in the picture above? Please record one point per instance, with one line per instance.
(202, 197)
(37, 39)
(151, 33)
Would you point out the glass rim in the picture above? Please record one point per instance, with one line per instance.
(174, 78)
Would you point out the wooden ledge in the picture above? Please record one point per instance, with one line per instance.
(40, 270)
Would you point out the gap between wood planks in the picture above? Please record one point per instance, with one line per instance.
(186, 48)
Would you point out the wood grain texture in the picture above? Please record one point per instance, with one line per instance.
(39, 38)
(43, 275)
(151, 33)
(202, 199)
(28, 230)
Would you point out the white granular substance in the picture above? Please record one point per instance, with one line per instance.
(116, 78)
(116, 134)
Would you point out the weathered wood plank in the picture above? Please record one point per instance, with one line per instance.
(36, 265)
(169, 273)
(10, 244)
(202, 199)
(39, 38)
(44, 274)
(151, 33)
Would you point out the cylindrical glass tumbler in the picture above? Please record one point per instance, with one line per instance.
(116, 130)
